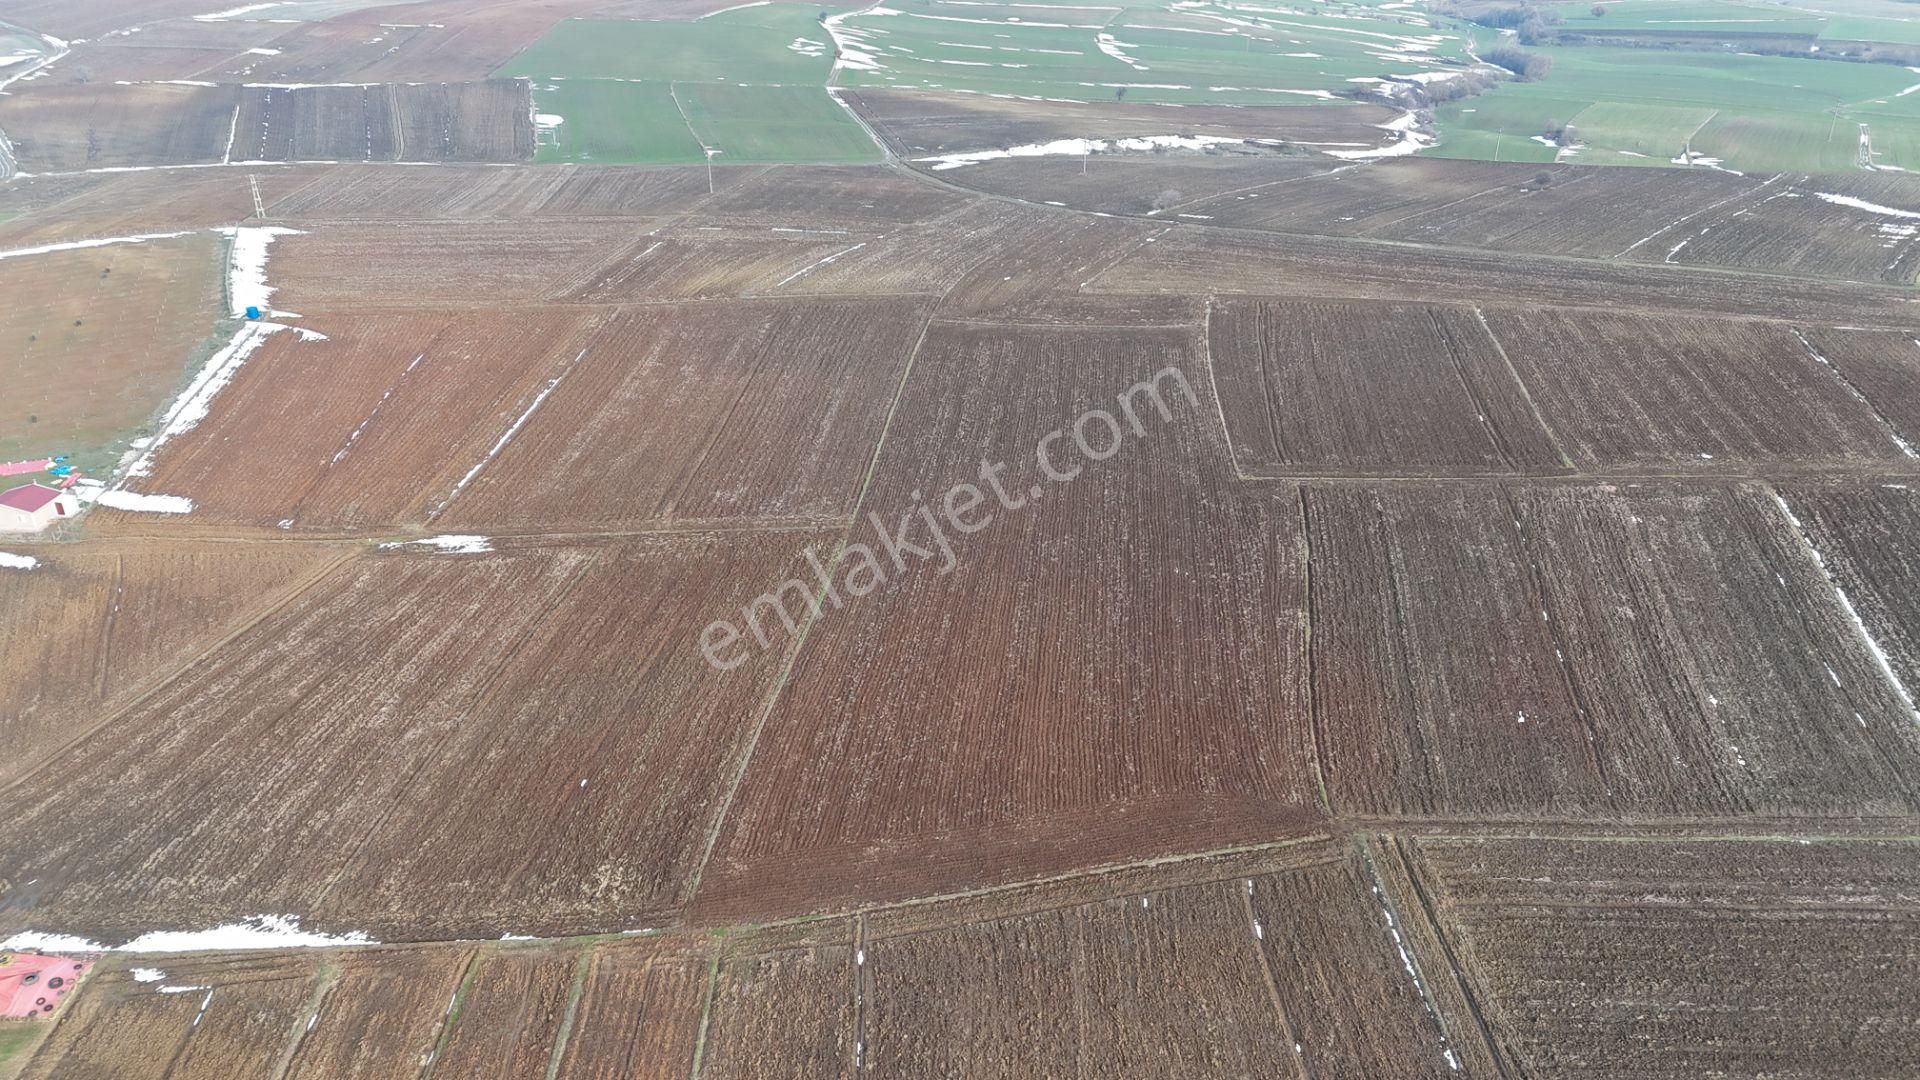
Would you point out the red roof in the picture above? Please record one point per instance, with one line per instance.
(28, 497)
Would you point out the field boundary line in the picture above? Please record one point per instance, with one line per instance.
(272, 606)
(1494, 436)
(806, 627)
(1313, 699)
(1288, 1029)
(1431, 916)
(1534, 406)
(576, 989)
(1405, 944)
(1888, 427)
(706, 1013)
(325, 977)
(1213, 385)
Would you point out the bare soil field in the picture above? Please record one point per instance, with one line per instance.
(922, 123)
(1686, 959)
(1883, 368)
(784, 1011)
(1868, 537)
(861, 196)
(94, 341)
(873, 778)
(69, 128)
(381, 1018)
(387, 193)
(55, 209)
(682, 414)
(462, 264)
(1578, 651)
(577, 756)
(1354, 388)
(693, 262)
(1207, 260)
(474, 121)
(372, 427)
(1130, 183)
(92, 18)
(1789, 228)
(512, 1009)
(1509, 206)
(1675, 395)
(96, 624)
(640, 1014)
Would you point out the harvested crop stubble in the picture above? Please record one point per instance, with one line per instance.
(1507, 206)
(1136, 183)
(95, 205)
(477, 121)
(1084, 683)
(640, 1015)
(512, 1009)
(1204, 260)
(372, 427)
(693, 262)
(401, 193)
(1662, 394)
(101, 125)
(96, 623)
(451, 264)
(1579, 650)
(745, 410)
(841, 195)
(579, 793)
(1789, 228)
(1687, 958)
(1883, 367)
(382, 1015)
(1868, 537)
(1357, 388)
(783, 1012)
(559, 773)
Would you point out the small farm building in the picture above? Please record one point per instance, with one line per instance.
(32, 507)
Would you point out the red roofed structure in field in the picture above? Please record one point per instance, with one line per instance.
(32, 507)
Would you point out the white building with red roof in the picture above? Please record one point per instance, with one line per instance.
(32, 507)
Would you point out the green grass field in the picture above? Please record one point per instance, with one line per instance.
(1752, 112)
(748, 83)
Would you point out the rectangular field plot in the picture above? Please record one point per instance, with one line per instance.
(373, 426)
(461, 264)
(1221, 262)
(1382, 389)
(381, 1016)
(512, 1006)
(486, 728)
(782, 1012)
(640, 1013)
(478, 121)
(1661, 394)
(95, 126)
(441, 192)
(95, 624)
(1683, 959)
(1578, 650)
(742, 410)
(1079, 683)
